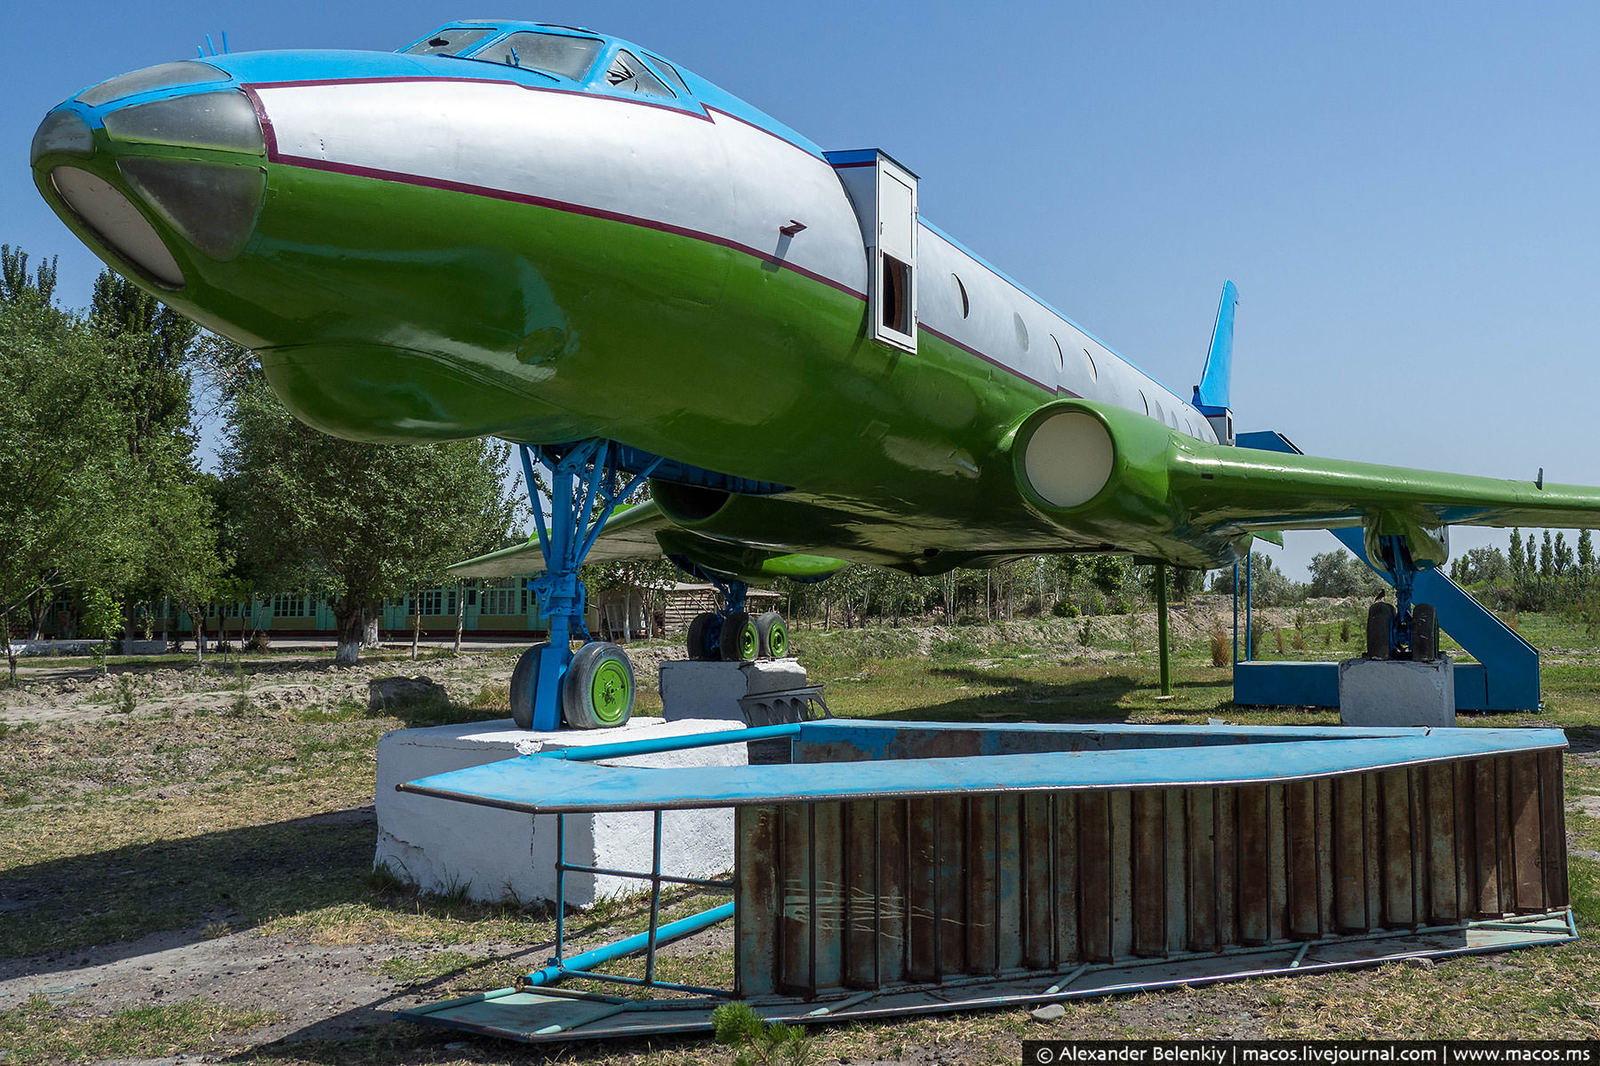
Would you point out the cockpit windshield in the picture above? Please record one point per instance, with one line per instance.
(549, 53)
(451, 41)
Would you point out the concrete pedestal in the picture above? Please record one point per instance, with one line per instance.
(441, 845)
(691, 690)
(1376, 692)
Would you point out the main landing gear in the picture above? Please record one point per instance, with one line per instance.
(732, 634)
(594, 688)
(1401, 630)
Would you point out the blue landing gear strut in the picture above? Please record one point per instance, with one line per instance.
(585, 487)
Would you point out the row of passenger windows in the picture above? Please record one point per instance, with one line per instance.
(556, 54)
(1151, 408)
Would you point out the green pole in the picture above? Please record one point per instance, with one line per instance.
(1161, 628)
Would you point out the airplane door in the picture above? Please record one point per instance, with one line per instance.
(884, 195)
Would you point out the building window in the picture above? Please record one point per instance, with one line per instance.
(505, 596)
(290, 605)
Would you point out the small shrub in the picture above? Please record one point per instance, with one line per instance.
(1219, 646)
(760, 1043)
(1065, 609)
(259, 640)
(1258, 634)
(17, 799)
(1278, 633)
(1086, 633)
(1344, 631)
(1298, 641)
(127, 701)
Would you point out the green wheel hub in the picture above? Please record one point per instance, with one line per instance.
(777, 641)
(749, 642)
(609, 692)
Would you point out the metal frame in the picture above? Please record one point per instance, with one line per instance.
(585, 488)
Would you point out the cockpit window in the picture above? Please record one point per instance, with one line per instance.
(549, 53)
(449, 42)
(627, 74)
(671, 74)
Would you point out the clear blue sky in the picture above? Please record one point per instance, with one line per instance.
(1406, 195)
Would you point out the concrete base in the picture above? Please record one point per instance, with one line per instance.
(1375, 692)
(713, 690)
(442, 845)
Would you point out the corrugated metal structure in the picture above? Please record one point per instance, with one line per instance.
(892, 869)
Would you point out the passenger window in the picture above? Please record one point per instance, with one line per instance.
(449, 42)
(548, 53)
(627, 74)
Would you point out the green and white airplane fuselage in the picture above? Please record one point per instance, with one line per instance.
(548, 235)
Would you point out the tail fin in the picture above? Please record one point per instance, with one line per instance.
(1212, 395)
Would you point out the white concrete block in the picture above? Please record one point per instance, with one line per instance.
(1394, 692)
(692, 690)
(440, 844)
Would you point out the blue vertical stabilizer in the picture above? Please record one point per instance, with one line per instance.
(1213, 395)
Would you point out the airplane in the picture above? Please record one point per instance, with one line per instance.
(563, 239)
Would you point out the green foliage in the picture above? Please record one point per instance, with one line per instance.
(758, 1042)
(1339, 573)
(102, 618)
(1269, 586)
(356, 522)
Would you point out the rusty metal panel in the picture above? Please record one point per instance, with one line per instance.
(922, 883)
(982, 886)
(1225, 839)
(1277, 864)
(1553, 829)
(798, 886)
(893, 902)
(758, 906)
(1146, 897)
(1037, 847)
(1466, 854)
(1254, 865)
(950, 897)
(1300, 862)
(1201, 840)
(1348, 812)
(1094, 856)
(1009, 876)
(1324, 808)
(1440, 800)
(1527, 879)
(828, 908)
(862, 894)
(1122, 908)
(1486, 837)
(1072, 883)
(1177, 869)
(1394, 787)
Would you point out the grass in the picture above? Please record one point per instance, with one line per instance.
(240, 817)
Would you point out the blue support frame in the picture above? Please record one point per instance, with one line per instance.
(585, 488)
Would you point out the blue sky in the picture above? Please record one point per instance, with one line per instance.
(1405, 194)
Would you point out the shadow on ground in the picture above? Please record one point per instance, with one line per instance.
(1027, 699)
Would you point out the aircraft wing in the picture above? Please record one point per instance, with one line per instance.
(1105, 471)
(629, 534)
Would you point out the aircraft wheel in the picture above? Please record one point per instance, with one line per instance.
(738, 642)
(773, 634)
(598, 691)
(1424, 633)
(1380, 621)
(703, 626)
(524, 683)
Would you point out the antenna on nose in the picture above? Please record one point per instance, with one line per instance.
(201, 50)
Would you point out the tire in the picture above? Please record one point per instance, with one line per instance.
(524, 683)
(1424, 633)
(1380, 621)
(598, 691)
(700, 648)
(773, 634)
(738, 642)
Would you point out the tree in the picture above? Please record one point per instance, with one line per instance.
(1585, 553)
(1518, 562)
(1482, 566)
(354, 522)
(1269, 586)
(1546, 557)
(1339, 573)
(65, 485)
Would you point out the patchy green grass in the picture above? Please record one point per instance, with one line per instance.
(39, 1032)
(239, 817)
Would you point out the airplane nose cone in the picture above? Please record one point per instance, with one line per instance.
(161, 168)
